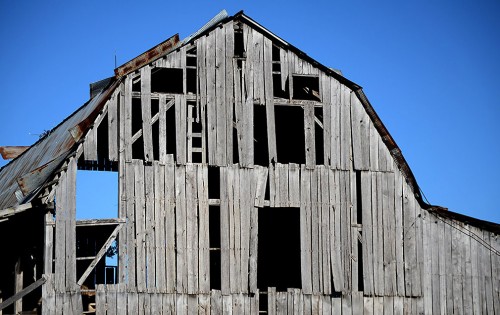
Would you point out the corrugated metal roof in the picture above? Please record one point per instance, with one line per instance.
(26, 173)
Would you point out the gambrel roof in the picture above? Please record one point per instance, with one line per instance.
(30, 176)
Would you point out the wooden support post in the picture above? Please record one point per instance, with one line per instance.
(18, 285)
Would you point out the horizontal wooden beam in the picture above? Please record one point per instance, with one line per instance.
(14, 210)
(23, 292)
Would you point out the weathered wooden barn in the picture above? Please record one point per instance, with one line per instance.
(251, 179)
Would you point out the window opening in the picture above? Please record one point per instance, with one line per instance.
(167, 80)
(96, 198)
(261, 151)
(290, 137)
(278, 249)
(306, 87)
(318, 135)
(136, 84)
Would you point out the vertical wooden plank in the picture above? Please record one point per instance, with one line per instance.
(159, 225)
(378, 254)
(309, 136)
(229, 85)
(71, 224)
(305, 230)
(204, 246)
(315, 233)
(149, 230)
(180, 126)
(447, 250)
(216, 302)
(271, 301)
(129, 196)
(113, 127)
(258, 68)
(345, 225)
(357, 302)
(170, 251)
(345, 128)
(367, 250)
(48, 243)
(467, 268)
(227, 304)
(127, 122)
(162, 129)
(224, 230)
(325, 230)
(456, 261)
(147, 134)
(347, 304)
(335, 224)
(110, 291)
(327, 112)
(232, 231)
(260, 182)
(60, 238)
(202, 91)
(398, 215)
(374, 141)
(294, 184)
(121, 299)
(246, 206)
(389, 226)
(427, 293)
(140, 225)
(360, 134)
(211, 101)
(488, 274)
(269, 99)
(180, 229)
(192, 229)
(48, 296)
(258, 187)
(220, 96)
(100, 299)
(409, 221)
(335, 101)
(133, 303)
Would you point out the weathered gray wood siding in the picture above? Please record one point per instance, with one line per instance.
(411, 261)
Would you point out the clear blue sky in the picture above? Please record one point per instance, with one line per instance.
(431, 71)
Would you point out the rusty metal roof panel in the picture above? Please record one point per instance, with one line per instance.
(26, 173)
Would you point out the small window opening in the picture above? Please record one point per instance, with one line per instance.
(360, 264)
(191, 60)
(239, 47)
(214, 243)
(170, 122)
(318, 134)
(278, 262)
(167, 80)
(276, 53)
(261, 151)
(213, 182)
(306, 87)
(290, 137)
(359, 199)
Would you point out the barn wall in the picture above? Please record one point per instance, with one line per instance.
(365, 243)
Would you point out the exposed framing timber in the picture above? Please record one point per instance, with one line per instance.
(23, 292)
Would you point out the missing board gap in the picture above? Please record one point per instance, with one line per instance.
(279, 90)
(319, 135)
(305, 87)
(261, 150)
(290, 136)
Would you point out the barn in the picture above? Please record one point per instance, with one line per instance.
(251, 179)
